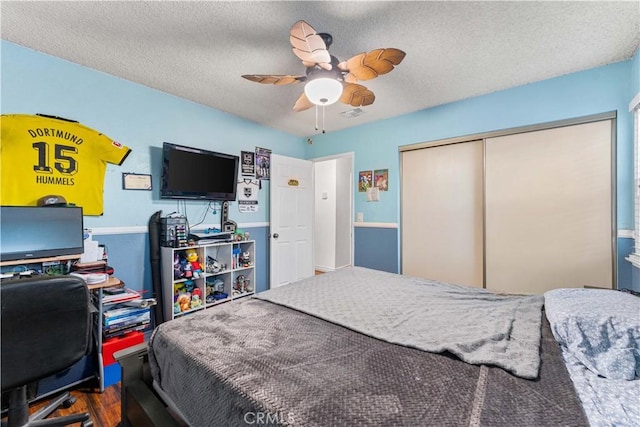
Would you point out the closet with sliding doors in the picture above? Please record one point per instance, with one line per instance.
(523, 210)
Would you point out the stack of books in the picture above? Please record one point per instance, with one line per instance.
(118, 294)
(119, 321)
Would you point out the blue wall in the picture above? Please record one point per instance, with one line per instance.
(138, 117)
(635, 73)
(599, 90)
(589, 92)
(142, 118)
(376, 248)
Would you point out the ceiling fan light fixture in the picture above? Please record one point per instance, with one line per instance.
(323, 90)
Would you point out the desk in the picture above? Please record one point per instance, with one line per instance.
(39, 260)
(85, 369)
(90, 366)
(113, 281)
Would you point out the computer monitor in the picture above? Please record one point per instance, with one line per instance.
(30, 232)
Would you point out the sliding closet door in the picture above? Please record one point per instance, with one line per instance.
(442, 213)
(549, 209)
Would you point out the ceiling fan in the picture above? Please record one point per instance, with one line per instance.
(327, 79)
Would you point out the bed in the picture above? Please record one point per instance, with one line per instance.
(360, 347)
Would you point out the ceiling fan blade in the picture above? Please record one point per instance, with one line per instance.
(356, 95)
(367, 66)
(274, 79)
(302, 103)
(350, 78)
(309, 46)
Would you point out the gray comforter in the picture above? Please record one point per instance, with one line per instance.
(252, 362)
(476, 325)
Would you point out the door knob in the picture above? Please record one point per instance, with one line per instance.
(276, 235)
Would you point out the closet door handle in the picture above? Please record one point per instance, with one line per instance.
(276, 235)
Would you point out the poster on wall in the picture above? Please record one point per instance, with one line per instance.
(365, 179)
(247, 166)
(381, 177)
(248, 195)
(262, 163)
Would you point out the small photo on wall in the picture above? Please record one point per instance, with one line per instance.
(381, 177)
(365, 180)
(262, 163)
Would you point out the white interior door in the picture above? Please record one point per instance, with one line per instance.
(291, 241)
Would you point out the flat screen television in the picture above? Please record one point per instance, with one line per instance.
(194, 173)
(29, 232)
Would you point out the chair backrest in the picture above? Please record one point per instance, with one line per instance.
(46, 327)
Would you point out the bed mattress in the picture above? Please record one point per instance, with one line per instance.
(253, 360)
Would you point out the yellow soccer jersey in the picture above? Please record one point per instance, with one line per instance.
(42, 155)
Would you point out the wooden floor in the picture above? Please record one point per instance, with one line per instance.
(104, 408)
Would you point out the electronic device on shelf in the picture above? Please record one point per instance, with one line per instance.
(173, 231)
(209, 238)
(226, 225)
(198, 174)
(31, 232)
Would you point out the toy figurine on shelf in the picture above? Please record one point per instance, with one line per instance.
(189, 285)
(210, 290)
(240, 284)
(184, 302)
(185, 266)
(213, 266)
(238, 236)
(196, 302)
(192, 258)
(196, 298)
(178, 288)
(245, 260)
(178, 273)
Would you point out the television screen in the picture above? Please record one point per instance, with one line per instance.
(194, 173)
(28, 232)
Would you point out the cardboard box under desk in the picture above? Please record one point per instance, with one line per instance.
(111, 345)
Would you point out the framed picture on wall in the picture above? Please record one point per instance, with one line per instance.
(381, 179)
(262, 163)
(365, 180)
(248, 163)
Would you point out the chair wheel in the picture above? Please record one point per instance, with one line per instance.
(87, 423)
(68, 402)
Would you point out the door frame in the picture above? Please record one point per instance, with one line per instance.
(347, 155)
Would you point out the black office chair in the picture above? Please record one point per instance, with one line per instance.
(46, 328)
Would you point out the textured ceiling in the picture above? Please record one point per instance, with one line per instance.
(199, 50)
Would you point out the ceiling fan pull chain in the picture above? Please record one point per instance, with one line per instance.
(316, 116)
(323, 118)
